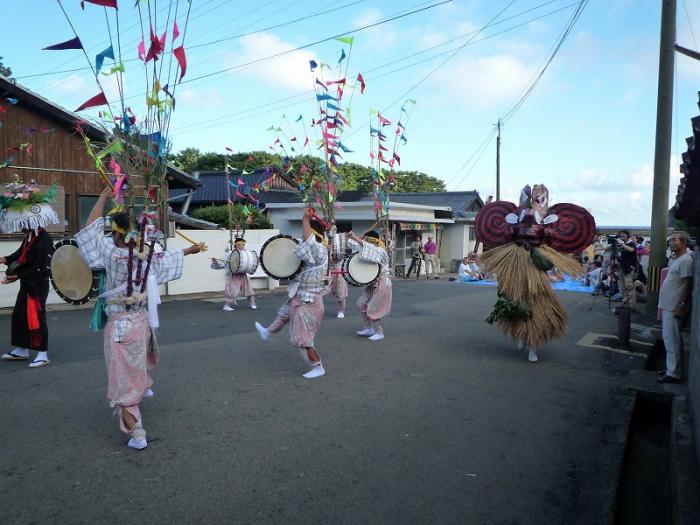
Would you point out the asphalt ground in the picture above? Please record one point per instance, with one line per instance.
(444, 421)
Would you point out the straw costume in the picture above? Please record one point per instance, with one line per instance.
(526, 241)
(23, 207)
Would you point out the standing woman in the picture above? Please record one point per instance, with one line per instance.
(416, 256)
(29, 214)
(375, 302)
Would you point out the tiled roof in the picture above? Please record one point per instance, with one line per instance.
(457, 200)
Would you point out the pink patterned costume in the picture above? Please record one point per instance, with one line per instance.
(375, 302)
(130, 345)
(339, 286)
(237, 284)
(304, 309)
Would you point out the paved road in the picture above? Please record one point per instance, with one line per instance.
(442, 422)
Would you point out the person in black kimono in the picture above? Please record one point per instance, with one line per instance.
(29, 266)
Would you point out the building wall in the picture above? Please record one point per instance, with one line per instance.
(694, 356)
(197, 275)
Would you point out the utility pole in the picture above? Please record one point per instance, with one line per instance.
(498, 162)
(662, 152)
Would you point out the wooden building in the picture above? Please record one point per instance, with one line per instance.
(38, 140)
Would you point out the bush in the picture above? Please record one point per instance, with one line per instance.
(219, 215)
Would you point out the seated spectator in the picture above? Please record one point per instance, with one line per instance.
(476, 271)
(466, 274)
(592, 278)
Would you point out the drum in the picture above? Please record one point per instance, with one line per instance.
(339, 245)
(243, 261)
(71, 277)
(277, 258)
(358, 272)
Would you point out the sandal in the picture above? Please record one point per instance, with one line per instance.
(13, 357)
(38, 362)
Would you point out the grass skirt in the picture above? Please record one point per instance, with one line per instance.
(521, 281)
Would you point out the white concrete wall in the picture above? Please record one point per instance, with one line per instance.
(197, 275)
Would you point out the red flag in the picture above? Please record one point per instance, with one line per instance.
(142, 50)
(98, 100)
(397, 158)
(238, 194)
(362, 83)
(179, 53)
(104, 3)
(176, 31)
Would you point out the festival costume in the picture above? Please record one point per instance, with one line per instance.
(23, 207)
(304, 309)
(375, 302)
(130, 345)
(526, 241)
(339, 286)
(237, 284)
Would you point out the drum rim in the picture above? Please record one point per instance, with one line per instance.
(349, 278)
(95, 276)
(262, 262)
(257, 258)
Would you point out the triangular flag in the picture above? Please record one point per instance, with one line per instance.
(142, 50)
(362, 83)
(179, 53)
(104, 3)
(100, 58)
(313, 64)
(297, 120)
(345, 39)
(98, 100)
(176, 31)
(342, 56)
(73, 43)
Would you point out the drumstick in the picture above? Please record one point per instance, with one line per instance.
(195, 243)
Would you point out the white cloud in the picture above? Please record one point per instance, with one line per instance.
(382, 37)
(290, 70)
(484, 82)
(71, 85)
(204, 98)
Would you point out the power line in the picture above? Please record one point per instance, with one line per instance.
(690, 24)
(478, 152)
(517, 105)
(227, 119)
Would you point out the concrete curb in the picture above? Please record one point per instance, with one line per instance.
(685, 483)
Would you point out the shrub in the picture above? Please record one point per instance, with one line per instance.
(219, 215)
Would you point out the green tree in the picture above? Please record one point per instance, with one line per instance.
(417, 181)
(187, 159)
(219, 215)
(4, 70)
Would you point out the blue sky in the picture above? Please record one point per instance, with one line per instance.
(587, 129)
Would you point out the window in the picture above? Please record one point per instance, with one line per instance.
(85, 205)
(472, 235)
(66, 212)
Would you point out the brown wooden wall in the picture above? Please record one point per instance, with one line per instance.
(60, 149)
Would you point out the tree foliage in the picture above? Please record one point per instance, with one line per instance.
(353, 177)
(219, 215)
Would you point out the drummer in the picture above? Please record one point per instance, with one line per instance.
(375, 302)
(237, 284)
(304, 308)
(339, 286)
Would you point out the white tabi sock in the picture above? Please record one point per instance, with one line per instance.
(264, 332)
(316, 371)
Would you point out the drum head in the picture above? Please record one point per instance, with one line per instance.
(71, 277)
(234, 261)
(277, 258)
(361, 272)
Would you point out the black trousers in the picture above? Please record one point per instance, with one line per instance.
(20, 336)
(415, 263)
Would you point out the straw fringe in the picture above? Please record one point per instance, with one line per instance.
(521, 281)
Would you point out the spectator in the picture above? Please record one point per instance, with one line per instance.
(674, 292)
(628, 267)
(600, 246)
(430, 263)
(416, 256)
(476, 271)
(592, 278)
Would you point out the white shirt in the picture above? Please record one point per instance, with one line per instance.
(462, 269)
(671, 291)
